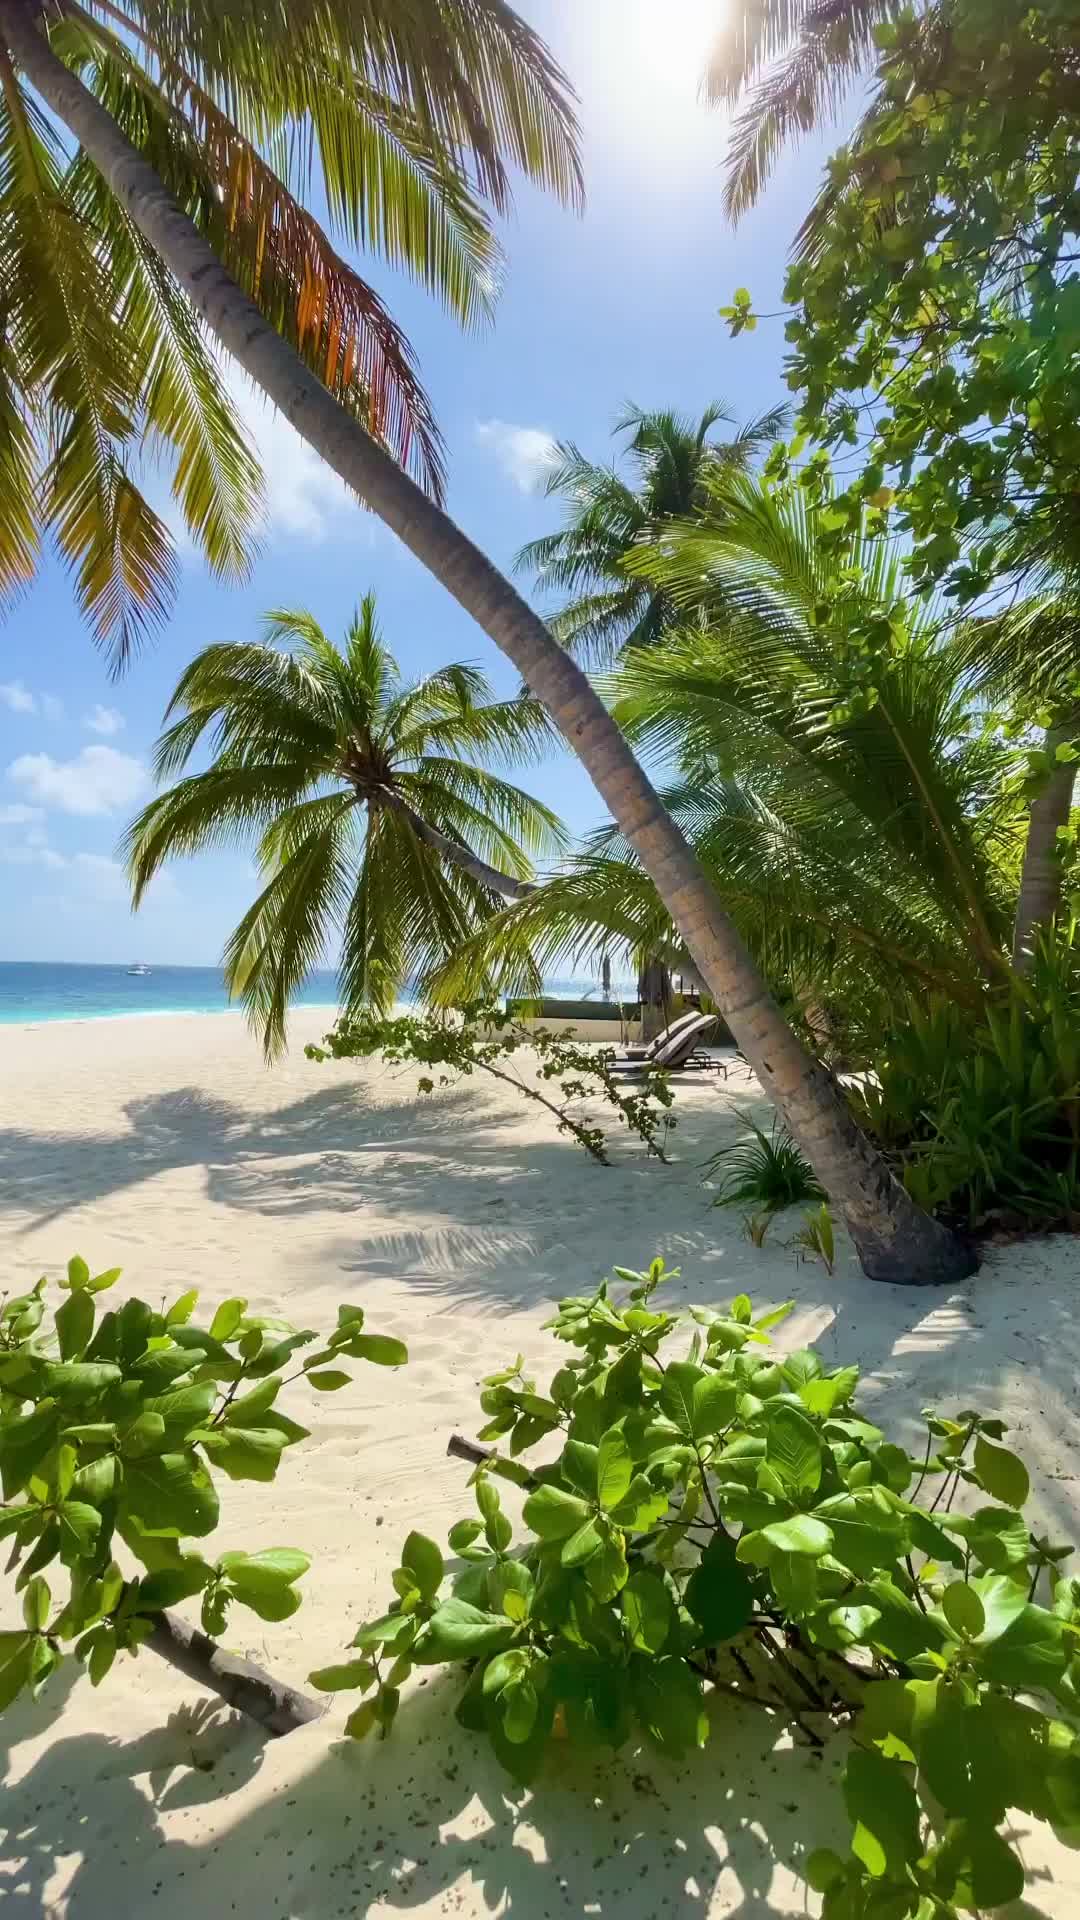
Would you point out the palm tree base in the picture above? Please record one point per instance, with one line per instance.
(921, 1252)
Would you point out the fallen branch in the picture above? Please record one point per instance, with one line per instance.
(461, 1449)
(243, 1685)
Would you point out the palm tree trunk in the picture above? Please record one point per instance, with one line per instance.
(894, 1238)
(1041, 874)
(457, 854)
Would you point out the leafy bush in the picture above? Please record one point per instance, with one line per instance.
(482, 1037)
(982, 1107)
(815, 1239)
(111, 1432)
(728, 1521)
(767, 1170)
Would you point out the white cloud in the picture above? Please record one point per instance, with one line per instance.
(104, 720)
(98, 780)
(523, 453)
(17, 697)
(303, 495)
(31, 856)
(20, 815)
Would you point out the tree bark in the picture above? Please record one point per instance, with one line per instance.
(1041, 874)
(458, 855)
(895, 1239)
(243, 1685)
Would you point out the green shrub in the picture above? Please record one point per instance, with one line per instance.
(766, 1170)
(981, 1108)
(727, 1520)
(111, 1432)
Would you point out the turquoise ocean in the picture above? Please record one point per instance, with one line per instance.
(35, 991)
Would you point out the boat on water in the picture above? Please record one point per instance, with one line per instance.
(139, 970)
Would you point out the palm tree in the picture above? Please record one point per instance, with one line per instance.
(672, 457)
(895, 1239)
(102, 358)
(791, 66)
(374, 823)
(856, 814)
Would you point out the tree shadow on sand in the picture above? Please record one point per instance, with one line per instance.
(427, 1821)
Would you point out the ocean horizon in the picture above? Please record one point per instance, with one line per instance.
(36, 992)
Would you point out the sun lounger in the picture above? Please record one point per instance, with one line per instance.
(676, 1053)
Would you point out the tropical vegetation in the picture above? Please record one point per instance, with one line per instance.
(425, 57)
(721, 1518)
(375, 825)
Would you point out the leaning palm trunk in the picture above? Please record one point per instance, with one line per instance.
(459, 856)
(1041, 875)
(895, 1239)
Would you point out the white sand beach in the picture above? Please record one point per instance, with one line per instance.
(165, 1146)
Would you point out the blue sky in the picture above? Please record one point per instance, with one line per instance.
(619, 305)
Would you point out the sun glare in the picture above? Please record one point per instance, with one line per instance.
(640, 75)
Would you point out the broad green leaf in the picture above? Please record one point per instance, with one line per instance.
(822, 1868)
(339, 1679)
(582, 1544)
(170, 1493)
(794, 1448)
(614, 1468)
(183, 1409)
(648, 1610)
(379, 1348)
(963, 1610)
(181, 1310)
(554, 1514)
(458, 1631)
(518, 1706)
(80, 1525)
(245, 1411)
(712, 1406)
(607, 1570)
(1002, 1602)
(96, 1482)
(718, 1595)
(227, 1319)
(988, 1872)
(170, 1585)
(1032, 1651)
(146, 1435)
(800, 1534)
(74, 1324)
(394, 1630)
(463, 1533)
(820, 1397)
(677, 1394)
(276, 1604)
(15, 1655)
(265, 1572)
(868, 1532)
(245, 1453)
(579, 1463)
(24, 1443)
(37, 1600)
(78, 1273)
(361, 1721)
(510, 1590)
(1002, 1473)
(800, 1367)
(100, 1282)
(668, 1703)
(328, 1379)
(881, 1801)
(78, 1379)
(423, 1560)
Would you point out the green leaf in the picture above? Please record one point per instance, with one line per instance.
(822, 1868)
(583, 1544)
(554, 1514)
(379, 1348)
(265, 1572)
(518, 1705)
(78, 1273)
(16, 1650)
(24, 1443)
(801, 1534)
(963, 1610)
(607, 1570)
(170, 1493)
(458, 1631)
(822, 1396)
(329, 1380)
(339, 1679)
(794, 1448)
(1031, 1652)
(393, 1630)
(648, 1610)
(881, 1801)
(277, 1604)
(80, 1526)
(246, 1453)
(181, 1310)
(668, 1703)
(1002, 1473)
(712, 1406)
(169, 1585)
(719, 1595)
(102, 1281)
(614, 1469)
(868, 1531)
(74, 1324)
(677, 1394)
(245, 1411)
(227, 1319)
(463, 1533)
(37, 1601)
(988, 1872)
(78, 1379)
(423, 1560)
(362, 1720)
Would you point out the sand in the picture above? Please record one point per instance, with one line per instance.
(163, 1144)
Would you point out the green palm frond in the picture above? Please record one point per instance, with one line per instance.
(613, 605)
(792, 64)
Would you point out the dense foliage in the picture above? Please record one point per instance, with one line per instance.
(112, 1430)
(483, 1037)
(726, 1521)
